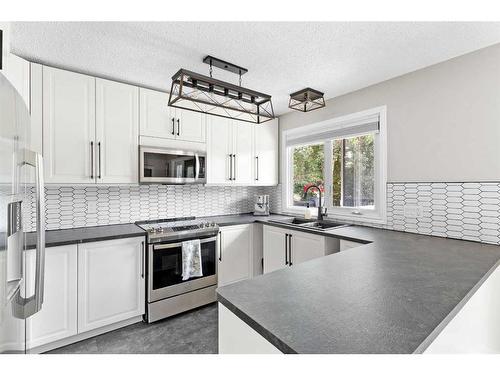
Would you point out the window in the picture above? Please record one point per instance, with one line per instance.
(308, 167)
(353, 172)
(345, 158)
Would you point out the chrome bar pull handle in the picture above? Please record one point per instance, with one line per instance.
(230, 167)
(99, 156)
(220, 246)
(257, 168)
(91, 160)
(286, 249)
(142, 259)
(234, 167)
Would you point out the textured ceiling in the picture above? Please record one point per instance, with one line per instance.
(336, 57)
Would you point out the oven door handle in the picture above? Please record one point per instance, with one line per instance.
(177, 244)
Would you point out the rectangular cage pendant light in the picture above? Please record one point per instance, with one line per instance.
(306, 100)
(200, 93)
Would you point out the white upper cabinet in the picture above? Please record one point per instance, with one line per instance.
(191, 126)
(219, 150)
(161, 121)
(243, 141)
(90, 129)
(266, 153)
(241, 153)
(68, 126)
(117, 128)
(157, 118)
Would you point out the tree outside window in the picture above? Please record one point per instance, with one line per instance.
(353, 172)
(308, 167)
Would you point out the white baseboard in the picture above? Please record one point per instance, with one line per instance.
(83, 336)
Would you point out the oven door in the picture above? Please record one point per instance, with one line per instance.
(165, 269)
(165, 166)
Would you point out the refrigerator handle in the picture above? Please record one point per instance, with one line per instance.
(40, 232)
(25, 307)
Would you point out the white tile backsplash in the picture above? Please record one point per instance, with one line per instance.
(468, 210)
(70, 207)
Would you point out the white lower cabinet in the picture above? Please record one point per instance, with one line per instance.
(87, 286)
(235, 261)
(284, 248)
(58, 318)
(110, 282)
(306, 247)
(274, 248)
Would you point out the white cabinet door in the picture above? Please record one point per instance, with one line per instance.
(274, 248)
(117, 128)
(219, 148)
(305, 247)
(235, 254)
(243, 160)
(157, 119)
(190, 125)
(68, 126)
(110, 282)
(58, 317)
(266, 153)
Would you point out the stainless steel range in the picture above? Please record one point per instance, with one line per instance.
(167, 293)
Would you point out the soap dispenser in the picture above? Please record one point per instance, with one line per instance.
(307, 213)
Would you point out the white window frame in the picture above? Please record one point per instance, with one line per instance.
(379, 215)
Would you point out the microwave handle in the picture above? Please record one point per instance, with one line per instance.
(197, 167)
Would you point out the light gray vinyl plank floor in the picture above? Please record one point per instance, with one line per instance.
(193, 332)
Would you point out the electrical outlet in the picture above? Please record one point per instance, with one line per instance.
(413, 211)
(91, 207)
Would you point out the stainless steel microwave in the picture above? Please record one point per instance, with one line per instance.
(170, 167)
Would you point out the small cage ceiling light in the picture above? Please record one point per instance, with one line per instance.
(306, 100)
(200, 93)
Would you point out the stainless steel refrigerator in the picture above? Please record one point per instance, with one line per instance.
(21, 172)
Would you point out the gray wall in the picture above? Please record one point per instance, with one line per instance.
(443, 121)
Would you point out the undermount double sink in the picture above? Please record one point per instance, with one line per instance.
(313, 224)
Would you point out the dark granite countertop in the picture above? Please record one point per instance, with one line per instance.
(392, 295)
(61, 237)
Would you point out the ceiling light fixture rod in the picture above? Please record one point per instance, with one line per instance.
(224, 65)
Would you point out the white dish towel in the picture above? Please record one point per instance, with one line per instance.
(191, 259)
